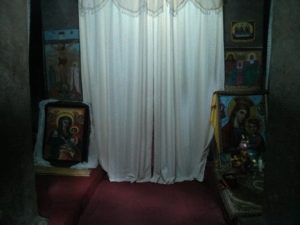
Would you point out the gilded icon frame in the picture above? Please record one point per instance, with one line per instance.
(66, 133)
(230, 143)
(243, 31)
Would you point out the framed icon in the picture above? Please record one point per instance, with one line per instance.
(242, 119)
(62, 64)
(244, 69)
(66, 133)
(242, 31)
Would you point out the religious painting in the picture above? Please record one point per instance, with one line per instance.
(244, 69)
(62, 64)
(240, 120)
(66, 133)
(242, 31)
(242, 131)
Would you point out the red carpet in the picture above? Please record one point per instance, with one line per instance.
(62, 199)
(96, 201)
(187, 203)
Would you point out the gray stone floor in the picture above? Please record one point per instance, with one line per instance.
(251, 221)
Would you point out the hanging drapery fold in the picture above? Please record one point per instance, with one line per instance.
(149, 81)
(152, 7)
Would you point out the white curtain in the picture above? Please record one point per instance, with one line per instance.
(152, 7)
(149, 76)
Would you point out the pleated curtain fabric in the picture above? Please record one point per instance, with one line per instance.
(153, 7)
(149, 77)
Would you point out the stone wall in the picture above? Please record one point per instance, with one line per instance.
(18, 197)
(282, 181)
(59, 14)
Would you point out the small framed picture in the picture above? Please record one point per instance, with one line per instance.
(242, 119)
(62, 64)
(242, 31)
(244, 69)
(66, 133)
